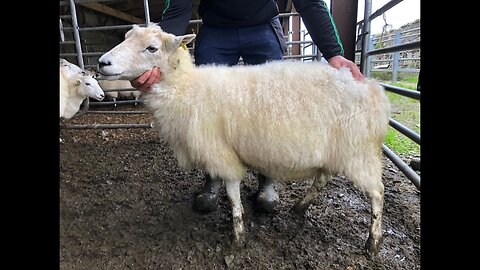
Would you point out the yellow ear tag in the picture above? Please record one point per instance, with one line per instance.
(184, 46)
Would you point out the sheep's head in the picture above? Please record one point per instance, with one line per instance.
(142, 49)
(87, 86)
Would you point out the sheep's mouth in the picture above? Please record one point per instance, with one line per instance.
(102, 75)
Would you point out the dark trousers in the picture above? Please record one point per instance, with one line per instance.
(255, 44)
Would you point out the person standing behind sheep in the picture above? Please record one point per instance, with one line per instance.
(250, 29)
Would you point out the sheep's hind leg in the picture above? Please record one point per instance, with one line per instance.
(369, 179)
(318, 183)
(207, 200)
(233, 192)
(375, 237)
(267, 197)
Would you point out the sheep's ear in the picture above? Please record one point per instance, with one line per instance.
(78, 82)
(129, 32)
(183, 39)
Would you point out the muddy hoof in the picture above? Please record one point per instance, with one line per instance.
(266, 202)
(415, 163)
(206, 202)
(299, 209)
(372, 247)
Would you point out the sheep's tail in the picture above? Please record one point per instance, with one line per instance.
(381, 107)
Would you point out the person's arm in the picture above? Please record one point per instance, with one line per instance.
(175, 16)
(321, 27)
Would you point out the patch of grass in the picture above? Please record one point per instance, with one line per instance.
(381, 75)
(400, 144)
(407, 85)
(405, 80)
(411, 79)
(406, 111)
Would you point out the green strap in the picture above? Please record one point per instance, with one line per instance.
(334, 27)
(167, 5)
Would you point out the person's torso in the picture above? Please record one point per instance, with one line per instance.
(237, 13)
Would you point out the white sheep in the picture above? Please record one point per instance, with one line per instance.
(75, 86)
(108, 86)
(287, 120)
(124, 84)
(117, 85)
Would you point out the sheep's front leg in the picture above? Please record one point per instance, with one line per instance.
(318, 183)
(233, 192)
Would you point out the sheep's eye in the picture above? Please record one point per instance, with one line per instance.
(87, 84)
(152, 49)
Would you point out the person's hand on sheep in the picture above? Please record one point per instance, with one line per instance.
(339, 61)
(146, 80)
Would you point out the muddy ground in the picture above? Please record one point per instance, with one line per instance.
(125, 204)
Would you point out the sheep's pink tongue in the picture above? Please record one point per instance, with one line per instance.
(151, 80)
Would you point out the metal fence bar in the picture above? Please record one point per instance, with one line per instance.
(404, 70)
(106, 126)
(94, 1)
(78, 49)
(409, 172)
(116, 27)
(91, 66)
(101, 28)
(68, 42)
(401, 59)
(396, 57)
(401, 47)
(384, 8)
(299, 56)
(282, 15)
(120, 90)
(366, 37)
(76, 34)
(84, 54)
(404, 130)
(118, 112)
(147, 11)
(411, 30)
(403, 37)
(62, 34)
(103, 103)
(369, 59)
(402, 91)
(300, 42)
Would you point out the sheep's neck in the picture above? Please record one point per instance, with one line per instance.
(63, 100)
(179, 62)
(72, 106)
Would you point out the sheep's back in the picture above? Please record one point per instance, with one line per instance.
(282, 112)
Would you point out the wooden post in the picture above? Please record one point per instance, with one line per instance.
(344, 14)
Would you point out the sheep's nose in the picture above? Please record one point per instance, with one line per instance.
(102, 64)
(102, 96)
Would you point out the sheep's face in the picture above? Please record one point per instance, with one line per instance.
(142, 49)
(87, 86)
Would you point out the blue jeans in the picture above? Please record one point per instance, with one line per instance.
(255, 44)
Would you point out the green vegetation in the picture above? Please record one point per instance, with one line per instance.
(406, 111)
(408, 82)
(402, 77)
